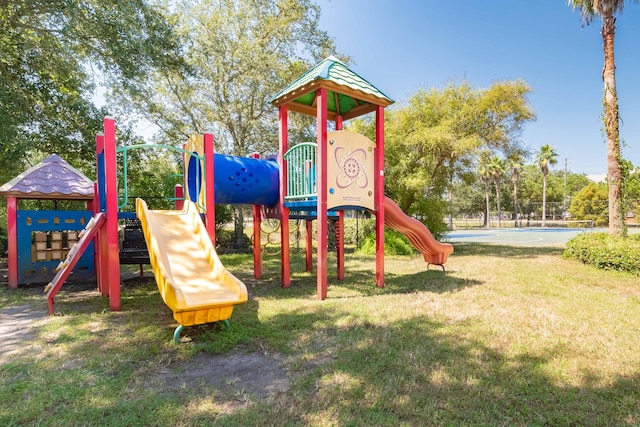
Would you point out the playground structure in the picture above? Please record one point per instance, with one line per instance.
(342, 171)
(39, 239)
(348, 169)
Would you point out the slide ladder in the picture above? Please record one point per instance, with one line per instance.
(66, 266)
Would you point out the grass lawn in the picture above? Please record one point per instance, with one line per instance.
(507, 336)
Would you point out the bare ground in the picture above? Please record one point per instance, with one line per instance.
(240, 372)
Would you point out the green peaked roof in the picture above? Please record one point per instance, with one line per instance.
(349, 95)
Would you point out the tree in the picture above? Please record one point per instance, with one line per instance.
(591, 204)
(435, 137)
(607, 9)
(530, 188)
(631, 190)
(48, 50)
(496, 170)
(240, 54)
(545, 157)
(515, 167)
(485, 174)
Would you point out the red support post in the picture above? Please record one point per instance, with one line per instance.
(321, 103)
(285, 267)
(379, 196)
(309, 245)
(209, 196)
(178, 194)
(340, 226)
(102, 255)
(257, 247)
(12, 241)
(98, 271)
(340, 244)
(111, 213)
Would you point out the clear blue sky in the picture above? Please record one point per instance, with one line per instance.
(401, 46)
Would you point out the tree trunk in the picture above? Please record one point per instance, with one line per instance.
(450, 208)
(515, 203)
(544, 199)
(611, 123)
(498, 203)
(486, 196)
(239, 227)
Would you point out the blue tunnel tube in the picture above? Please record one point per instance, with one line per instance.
(238, 180)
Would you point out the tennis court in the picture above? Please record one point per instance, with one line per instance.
(520, 236)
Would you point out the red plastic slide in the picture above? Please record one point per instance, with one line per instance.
(418, 234)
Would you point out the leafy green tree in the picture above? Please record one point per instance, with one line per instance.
(591, 204)
(606, 10)
(151, 175)
(48, 50)
(544, 158)
(631, 189)
(530, 188)
(470, 199)
(240, 54)
(575, 182)
(435, 137)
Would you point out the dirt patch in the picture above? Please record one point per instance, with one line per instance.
(238, 372)
(239, 376)
(17, 333)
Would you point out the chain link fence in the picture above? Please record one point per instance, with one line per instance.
(593, 212)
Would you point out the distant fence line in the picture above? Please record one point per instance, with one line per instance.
(531, 213)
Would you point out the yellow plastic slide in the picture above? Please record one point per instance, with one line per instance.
(192, 281)
(433, 251)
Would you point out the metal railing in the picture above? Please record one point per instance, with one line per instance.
(124, 198)
(301, 171)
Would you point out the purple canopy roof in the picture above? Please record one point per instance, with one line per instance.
(53, 178)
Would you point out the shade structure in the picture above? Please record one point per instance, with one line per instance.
(53, 178)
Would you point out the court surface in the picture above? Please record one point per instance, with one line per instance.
(520, 236)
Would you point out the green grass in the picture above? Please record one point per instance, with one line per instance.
(507, 336)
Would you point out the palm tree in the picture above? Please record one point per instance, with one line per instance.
(606, 9)
(515, 167)
(496, 169)
(545, 157)
(485, 174)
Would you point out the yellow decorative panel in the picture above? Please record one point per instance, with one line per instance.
(350, 170)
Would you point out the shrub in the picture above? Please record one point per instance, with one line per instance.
(355, 230)
(591, 203)
(394, 244)
(431, 212)
(606, 252)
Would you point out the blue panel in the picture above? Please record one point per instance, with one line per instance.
(194, 178)
(29, 222)
(127, 215)
(102, 182)
(246, 180)
(302, 205)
